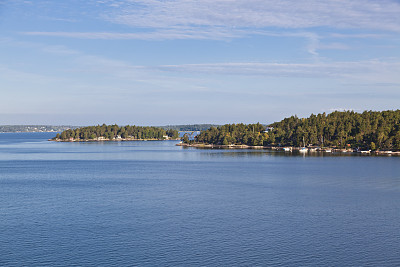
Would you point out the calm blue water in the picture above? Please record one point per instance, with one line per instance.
(156, 204)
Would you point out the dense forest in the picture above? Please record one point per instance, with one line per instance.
(370, 130)
(111, 132)
(251, 134)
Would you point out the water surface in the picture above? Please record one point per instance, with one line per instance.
(154, 203)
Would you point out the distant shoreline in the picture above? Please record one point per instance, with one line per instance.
(32, 132)
(110, 140)
(34, 128)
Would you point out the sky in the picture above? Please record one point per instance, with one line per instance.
(164, 62)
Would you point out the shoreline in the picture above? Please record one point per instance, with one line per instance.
(220, 146)
(110, 140)
(291, 149)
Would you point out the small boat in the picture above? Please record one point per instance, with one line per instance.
(328, 150)
(287, 149)
(303, 149)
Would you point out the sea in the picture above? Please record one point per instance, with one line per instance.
(152, 203)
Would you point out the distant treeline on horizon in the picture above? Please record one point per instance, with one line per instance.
(33, 128)
(190, 127)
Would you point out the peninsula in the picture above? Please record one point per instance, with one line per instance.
(345, 131)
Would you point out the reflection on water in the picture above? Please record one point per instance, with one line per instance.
(34, 146)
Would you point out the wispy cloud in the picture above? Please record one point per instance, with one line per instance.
(222, 19)
(164, 34)
(313, 40)
(364, 14)
(381, 71)
(157, 20)
(374, 71)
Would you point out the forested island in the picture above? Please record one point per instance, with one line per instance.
(115, 132)
(371, 130)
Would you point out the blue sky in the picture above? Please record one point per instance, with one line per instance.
(159, 62)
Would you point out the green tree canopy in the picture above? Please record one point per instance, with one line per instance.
(110, 132)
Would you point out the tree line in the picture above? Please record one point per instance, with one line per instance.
(369, 130)
(251, 134)
(346, 129)
(111, 132)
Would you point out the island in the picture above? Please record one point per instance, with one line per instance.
(340, 130)
(115, 133)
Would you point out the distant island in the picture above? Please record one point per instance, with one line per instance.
(114, 132)
(33, 128)
(348, 130)
(189, 127)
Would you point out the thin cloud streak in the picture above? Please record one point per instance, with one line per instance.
(200, 33)
(172, 34)
(334, 69)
